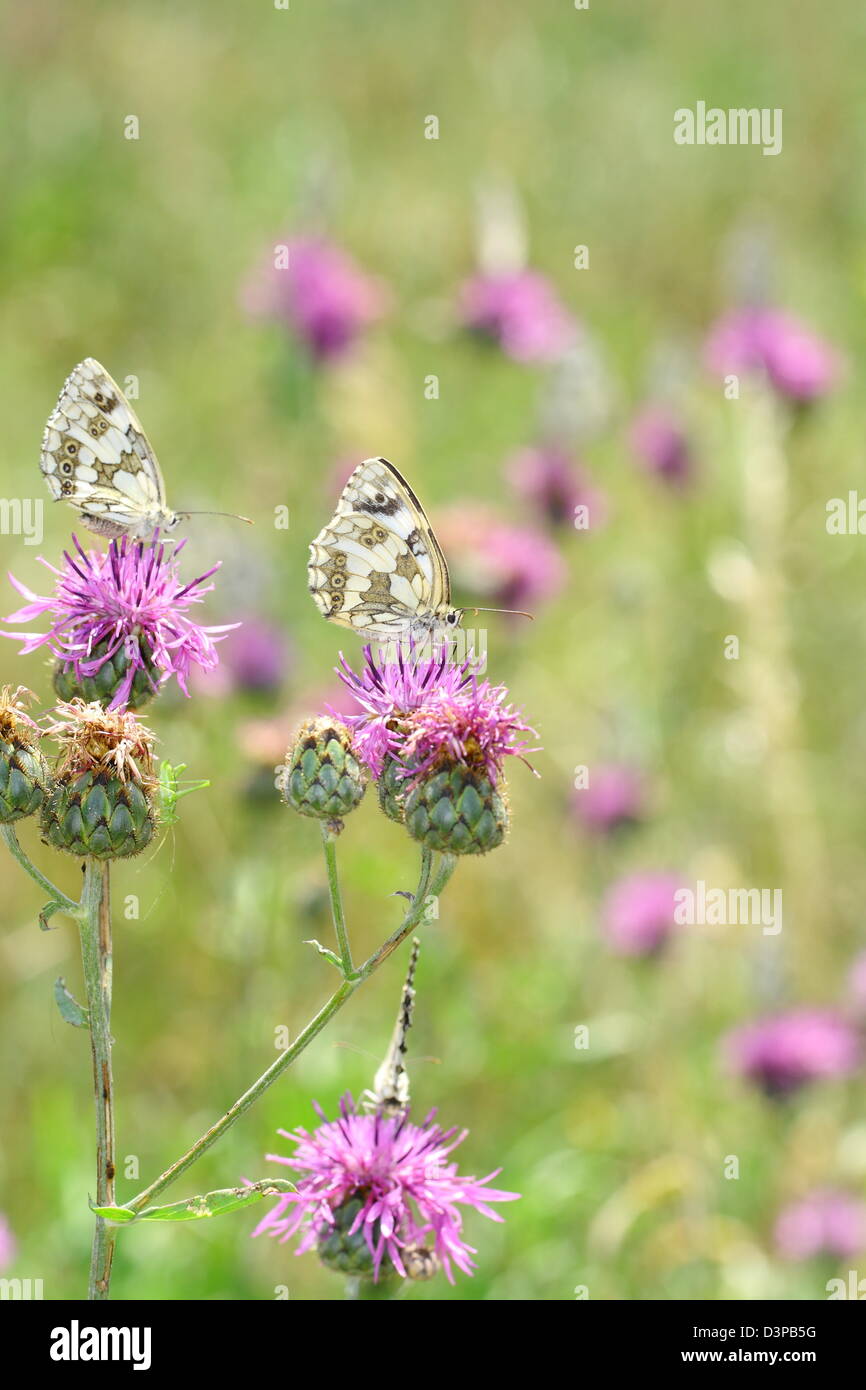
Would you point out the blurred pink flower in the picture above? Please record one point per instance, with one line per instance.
(8, 1243)
(500, 564)
(827, 1221)
(785, 1051)
(638, 913)
(798, 363)
(660, 444)
(547, 481)
(520, 311)
(320, 293)
(613, 798)
(857, 983)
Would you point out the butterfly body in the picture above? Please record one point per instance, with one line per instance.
(390, 1093)
(96, 457)
(377, 567)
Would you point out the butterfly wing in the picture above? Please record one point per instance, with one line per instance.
(377, 566)
(96, 456)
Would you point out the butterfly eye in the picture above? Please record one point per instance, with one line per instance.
(71, 448)
(338, 581)
(452, 618)
(66, 467)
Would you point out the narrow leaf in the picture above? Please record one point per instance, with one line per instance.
(70, 1009)
(195, 1208)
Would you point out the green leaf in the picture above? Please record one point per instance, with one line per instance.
(70, 1009)
(194, 1208)
(48, 911)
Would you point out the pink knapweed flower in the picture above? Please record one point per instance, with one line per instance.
(659, 443)
(499, 563)
(827, 1221)
(638, 913)
(798, 364)
(319, 292)
(128, 600)
(785, 1051)
(613, 798)
(409, 1192)
(547, 480)
(520, 311)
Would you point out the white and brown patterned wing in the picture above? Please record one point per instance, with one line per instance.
(96, 456)
(377, 567)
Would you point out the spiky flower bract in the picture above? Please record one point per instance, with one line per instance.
(407, 1194)
(23, 773)
(120, 623)
(100, 803)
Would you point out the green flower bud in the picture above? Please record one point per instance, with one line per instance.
(392, 789)
(457, 810)
(23, 773)
(105, 683)
(321, 776)
(98, 816)
(349, 1254)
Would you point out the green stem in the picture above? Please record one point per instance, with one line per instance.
(68, 904)
(329, 844)
(340, 996)
(95, 931)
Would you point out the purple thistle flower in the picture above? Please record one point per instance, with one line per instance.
(638, 913)
(129, 598)
(520, 311)
(613, 798)
(425, 711)
(660, 444)
(474, 726)
(784, 1052)
(389, 692)
(827, 1221)
(798, 363)
(546, 480)
(399, 1171)
(321, 294)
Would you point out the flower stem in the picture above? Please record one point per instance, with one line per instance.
(329, 844)
(68, 904)
(413, 917)
(95, 931)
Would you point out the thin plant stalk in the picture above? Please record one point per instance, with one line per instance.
(95, 932)
(414, 916)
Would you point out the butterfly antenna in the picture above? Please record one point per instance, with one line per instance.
(234, 515)
(515, 612)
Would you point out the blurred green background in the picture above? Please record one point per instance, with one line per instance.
(136, 252)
